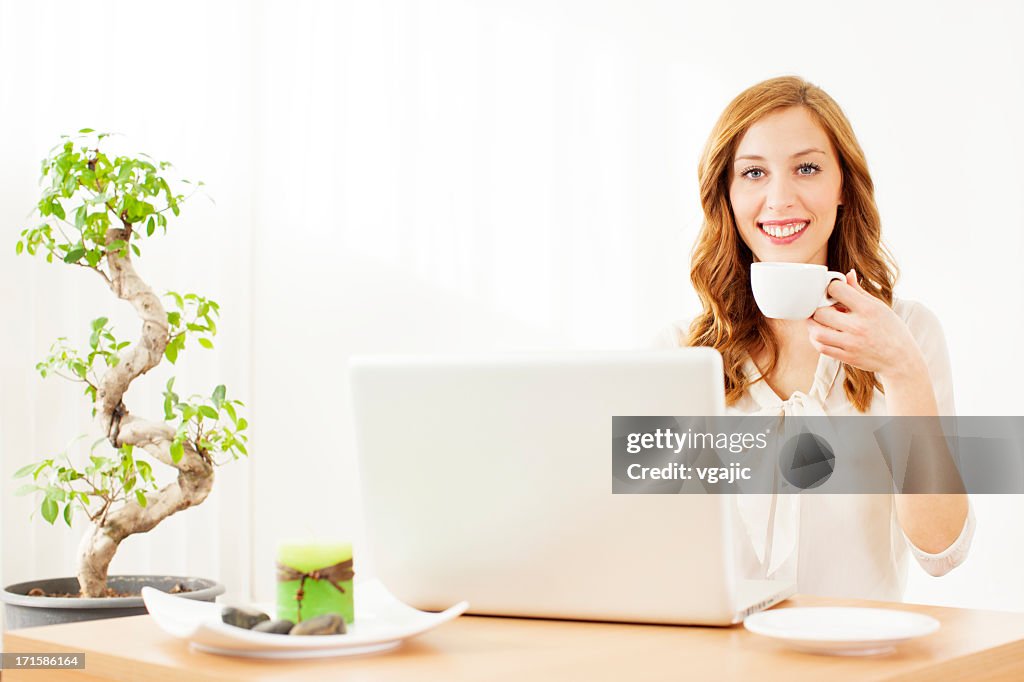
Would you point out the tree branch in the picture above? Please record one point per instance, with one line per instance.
(183, 200)
(81, 265)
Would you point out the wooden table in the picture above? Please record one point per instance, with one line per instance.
(975, 645)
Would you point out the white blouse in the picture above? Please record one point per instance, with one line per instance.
(840, 545)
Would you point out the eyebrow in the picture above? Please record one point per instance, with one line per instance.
(812, 150)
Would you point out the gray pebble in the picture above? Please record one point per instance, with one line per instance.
(327, 624)
(242, 618)
(276, 627)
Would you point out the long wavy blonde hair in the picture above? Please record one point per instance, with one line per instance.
(720, 267)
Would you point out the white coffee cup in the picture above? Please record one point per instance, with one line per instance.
(791, 291)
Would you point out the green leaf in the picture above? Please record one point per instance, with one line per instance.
(205, 343)
(150, 227)
(241, 424)
(141, 497)
(218, 395)
(49, 510)
(25, 470)
(19, 247)
(135, 250)
(67, 514)
(177, 452)
(174, 319)
(99, 323)
(171, 352)
(86, 130)
(58, 211)
(26, 489)
(74, 255)
(208, 411)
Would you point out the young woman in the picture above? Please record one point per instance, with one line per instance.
(783, 178)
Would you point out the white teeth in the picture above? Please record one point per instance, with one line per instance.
(781, 231)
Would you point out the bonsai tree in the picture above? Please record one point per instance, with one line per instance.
(96, 211)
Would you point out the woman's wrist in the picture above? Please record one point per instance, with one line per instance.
(908, 389)
(910, 370)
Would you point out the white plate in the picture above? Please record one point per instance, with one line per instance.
(381, 623)
(844, 631)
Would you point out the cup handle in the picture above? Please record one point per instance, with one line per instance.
(826, 299)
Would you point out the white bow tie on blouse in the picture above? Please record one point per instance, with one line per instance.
(772, 521)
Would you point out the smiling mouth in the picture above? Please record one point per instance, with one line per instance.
(785, 231)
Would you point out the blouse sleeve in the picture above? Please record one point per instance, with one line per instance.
(951, 557)
(927, 331)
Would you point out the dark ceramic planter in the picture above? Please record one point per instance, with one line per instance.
(23, 611)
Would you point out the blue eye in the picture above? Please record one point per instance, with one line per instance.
(755, 173)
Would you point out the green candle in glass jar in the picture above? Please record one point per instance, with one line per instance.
(314, 578)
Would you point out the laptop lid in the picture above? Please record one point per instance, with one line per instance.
(488, 478)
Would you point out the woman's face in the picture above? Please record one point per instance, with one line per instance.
(785, 186)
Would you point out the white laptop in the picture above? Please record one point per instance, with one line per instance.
(488, 478)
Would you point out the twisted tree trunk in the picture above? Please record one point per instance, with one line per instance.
(195, 471)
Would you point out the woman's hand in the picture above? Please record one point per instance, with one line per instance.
(867, 335)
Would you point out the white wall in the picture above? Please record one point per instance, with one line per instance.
(457, 175)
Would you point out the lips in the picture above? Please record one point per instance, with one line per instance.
(783, 231)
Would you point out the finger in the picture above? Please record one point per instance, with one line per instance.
(831, 316)
(825, 335)
(834, 352)
(841, 291)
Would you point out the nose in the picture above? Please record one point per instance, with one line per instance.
(781, 193)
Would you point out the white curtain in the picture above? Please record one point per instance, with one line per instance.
(445, 176)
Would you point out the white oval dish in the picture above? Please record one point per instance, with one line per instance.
(382, 622)
(843, 631)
